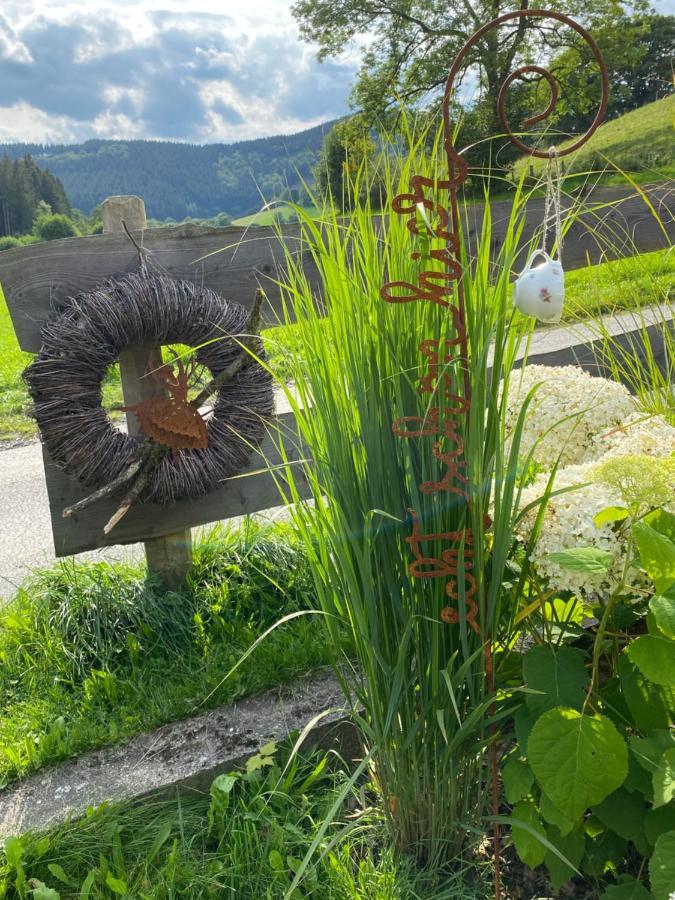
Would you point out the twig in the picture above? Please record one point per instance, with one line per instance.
(141, 250)
(110, 488)
(153, 459)
(252, 334)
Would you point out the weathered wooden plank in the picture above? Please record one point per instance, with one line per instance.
(233, 261)
(249, 492)
(168, 557)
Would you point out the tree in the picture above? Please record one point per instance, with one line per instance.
(346, 146)
(54, 227)
(412, 42)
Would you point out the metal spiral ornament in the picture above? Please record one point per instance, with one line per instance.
(518, 73)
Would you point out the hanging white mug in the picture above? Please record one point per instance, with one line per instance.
(539, 291)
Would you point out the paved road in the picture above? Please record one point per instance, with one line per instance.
(25, 529)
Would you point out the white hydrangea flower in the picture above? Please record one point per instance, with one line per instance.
(564, 391)
(568, 524)
(637, 436)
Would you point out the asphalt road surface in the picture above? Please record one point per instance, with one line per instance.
(25, 529)
(25, 526)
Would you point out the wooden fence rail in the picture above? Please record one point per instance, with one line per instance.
(234, 261)
(38, 279)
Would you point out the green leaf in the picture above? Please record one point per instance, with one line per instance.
(276, 861)
(116, 885)
(529, 848)
(572, 848)
(517, 778)
(663, 609)
(655, 658)
(657, 555)
(40, 891)
(610, 514)
(650, 705)
(560, 676)
(657, 821)
(662, 521)
(648, 750)
(662, 866)
(523, 722)
(627, 889)
(87, 884)
(59, 872)
(550, 812)
(577, 760)
(638, 779)
(583, 559)
(664, 779)
(624, 813)
(604, 854)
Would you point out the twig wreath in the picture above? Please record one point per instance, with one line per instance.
(185, 453)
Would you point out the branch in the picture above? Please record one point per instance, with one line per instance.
(154, 457)
(110, 488)
(252, 334)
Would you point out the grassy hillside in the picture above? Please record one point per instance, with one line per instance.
(640, 142)
(178, 180)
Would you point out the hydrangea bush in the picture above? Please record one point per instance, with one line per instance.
(591, 772)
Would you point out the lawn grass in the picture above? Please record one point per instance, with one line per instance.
(94, 653)
(639, 142)
(277, 213)
(623, 284)
(246, 840)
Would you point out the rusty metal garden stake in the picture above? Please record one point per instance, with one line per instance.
(438, 287)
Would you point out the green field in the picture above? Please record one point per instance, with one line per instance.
(639, 143)
(623, 284)
(281, 212)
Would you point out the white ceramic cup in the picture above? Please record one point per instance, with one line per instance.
(539, 291)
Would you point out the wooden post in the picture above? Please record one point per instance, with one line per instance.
(170, 556)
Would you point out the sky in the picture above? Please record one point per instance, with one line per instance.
(200, 71)
(189, 70)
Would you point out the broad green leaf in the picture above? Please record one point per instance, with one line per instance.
(662, 866)
(655, 658)
(577, 760)
(517, 778)
(523, 722)
(648, 750)
(604, 854)
(529, 848)
(610, 514)
(638, 779)
(624, 813)
(276, 861)
(40, 891)
(116, 885)
(560, 676)
(662, 521)
(657, 555)
(572, 848)
(663, 609)
(583, 559)
(627, 889)
(664, 779)
(657, 821)
(59, 872)
(550, 812)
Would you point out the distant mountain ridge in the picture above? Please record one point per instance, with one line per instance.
(177, 180)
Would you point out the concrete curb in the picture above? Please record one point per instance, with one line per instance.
(183, 756)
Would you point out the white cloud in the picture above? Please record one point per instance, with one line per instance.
(149, 68)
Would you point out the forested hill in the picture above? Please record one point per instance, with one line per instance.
(178, 180)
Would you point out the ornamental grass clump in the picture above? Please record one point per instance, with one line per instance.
(418, 675)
